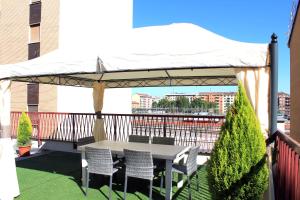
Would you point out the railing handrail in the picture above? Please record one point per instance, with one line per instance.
(137, 115)
(293, 144)
(59, 113)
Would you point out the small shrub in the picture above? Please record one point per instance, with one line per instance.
(241, 146)
(24, 130)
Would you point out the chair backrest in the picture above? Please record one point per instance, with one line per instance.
(139, 164)
(139, 138)
(191, 162)
(163, 140)
(85, 140)
(99, 161)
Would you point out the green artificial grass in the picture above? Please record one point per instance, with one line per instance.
(57, 176)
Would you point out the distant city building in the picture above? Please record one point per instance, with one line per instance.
(173, 97)
(156, 99)
(222, 99)
(284, 104)
(228, 100)
(140, 100)
(135, 101)
(135, 104)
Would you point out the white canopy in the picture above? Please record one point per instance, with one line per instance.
(176, 54)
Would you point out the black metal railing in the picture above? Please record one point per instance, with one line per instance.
(285, 166)
(187, 130)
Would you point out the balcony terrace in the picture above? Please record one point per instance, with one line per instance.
(56, 175)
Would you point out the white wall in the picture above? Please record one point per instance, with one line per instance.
(80, 100)
(74, 99)
(89, 21)
(91, 25)
(117, 101)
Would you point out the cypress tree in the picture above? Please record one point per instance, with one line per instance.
(24, 130)
(237, 168)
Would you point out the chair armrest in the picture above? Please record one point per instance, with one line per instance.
(116, 162)
(181, 159)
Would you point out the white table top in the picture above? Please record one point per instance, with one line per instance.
(167, 152)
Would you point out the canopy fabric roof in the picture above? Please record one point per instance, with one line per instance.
(176, 54)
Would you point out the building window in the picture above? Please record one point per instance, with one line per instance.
(32, 94)
(34, 34)
(33, 108)
(33, 50)
(35, 13)
(34, 1)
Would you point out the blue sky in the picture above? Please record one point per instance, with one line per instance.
(247, 21)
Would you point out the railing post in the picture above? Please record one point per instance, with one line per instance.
(38, 129)
(274, 82)
(165, 127)
(115, 128)
(73, 131)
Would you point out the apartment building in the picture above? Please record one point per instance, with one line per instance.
(222, 99)
(228, 99)
(32, 28)
(173, 97)
(212, 97)
(284, 104)
(140, 100)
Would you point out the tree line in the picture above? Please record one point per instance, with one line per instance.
(182, 103)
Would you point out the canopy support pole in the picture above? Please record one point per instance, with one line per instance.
(274, 83)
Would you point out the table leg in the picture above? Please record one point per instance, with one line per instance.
(83, 170)
(168, 179)
(180, 177)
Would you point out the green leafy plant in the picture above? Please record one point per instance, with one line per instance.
(237, 168)
(24, 130)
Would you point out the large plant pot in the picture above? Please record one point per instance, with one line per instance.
(24, 151)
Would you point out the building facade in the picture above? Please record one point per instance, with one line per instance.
(294, 45)
(284, 104)
(21, 25)
(227, 100)
(212, 97)
(140, 100)
(173, 97)
(32, 28)
(222, 99)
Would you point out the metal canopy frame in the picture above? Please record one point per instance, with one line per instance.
(67, 80)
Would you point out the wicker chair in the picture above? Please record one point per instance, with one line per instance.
(99, 162)
(189, 167)
(163, 140)
(139, 164)
(139, 138)
(159, 163)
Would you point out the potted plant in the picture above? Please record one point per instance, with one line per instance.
(24, 135)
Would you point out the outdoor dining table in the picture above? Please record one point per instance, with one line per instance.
(166, 152)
